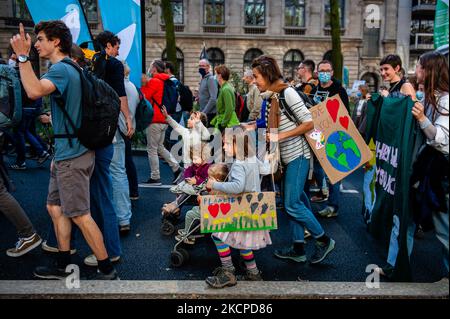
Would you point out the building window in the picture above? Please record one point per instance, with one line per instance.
(371, 81)
(177, 11)
(255, 12)
(180, 61)
(290, 63)
(294, 13)
(249, 56)
(215, 57)
(328, 13)
(20, 10)
(371, 41)
(90, 9)
(214, 12)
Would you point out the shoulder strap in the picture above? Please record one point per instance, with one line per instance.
(61, 103)
(286, 109)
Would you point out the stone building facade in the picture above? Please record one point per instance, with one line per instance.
(236, 31)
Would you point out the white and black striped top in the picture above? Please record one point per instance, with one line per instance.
(293, 147)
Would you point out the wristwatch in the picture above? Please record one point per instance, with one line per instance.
(23, 58)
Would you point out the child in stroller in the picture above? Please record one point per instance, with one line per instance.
(190, 232)
(193, 182)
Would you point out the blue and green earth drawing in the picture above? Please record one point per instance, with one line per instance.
(342, 152)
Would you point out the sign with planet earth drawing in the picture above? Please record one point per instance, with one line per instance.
(243, 212)
(335, 140)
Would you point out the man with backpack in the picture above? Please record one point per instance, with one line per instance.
(68, 197)
(159, 91)
(305, 73)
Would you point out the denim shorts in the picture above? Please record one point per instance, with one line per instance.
(69, 184)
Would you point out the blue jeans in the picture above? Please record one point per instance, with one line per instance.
(369, 196)
(102, 207)
(25, 131)
(393, 243)
(296, 203)
(440, 220)
(131, 169)
(121, 192)
(334, 193)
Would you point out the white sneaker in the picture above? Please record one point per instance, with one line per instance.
(51, 249)
(92, 261)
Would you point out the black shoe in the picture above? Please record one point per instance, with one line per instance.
(41, 159)
(322, 251)
(50, 272)
(153, 182)
(289, 253)
(176, 175)
(124, 229)
(111, 276)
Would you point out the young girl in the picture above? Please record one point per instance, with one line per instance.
(244, 177)
(219, 172)
(195, 132)
(196, 174)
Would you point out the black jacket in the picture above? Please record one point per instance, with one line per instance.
(336, 88)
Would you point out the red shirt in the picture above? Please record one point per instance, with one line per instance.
(153, 90)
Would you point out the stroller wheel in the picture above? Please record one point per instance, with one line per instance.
(176, 258)
(185, 254)
(167, 228)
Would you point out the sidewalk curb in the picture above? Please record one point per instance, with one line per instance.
(189, 289)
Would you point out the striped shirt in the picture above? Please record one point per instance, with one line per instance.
(296, 146)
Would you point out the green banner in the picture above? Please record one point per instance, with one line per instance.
(441, 24)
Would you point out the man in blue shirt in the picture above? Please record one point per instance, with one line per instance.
(73, 164)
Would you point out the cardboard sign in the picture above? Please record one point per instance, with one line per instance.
(335, 140)
(244, 212)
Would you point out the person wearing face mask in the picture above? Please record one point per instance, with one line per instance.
(208, 90)
(420, 96)
(328, 87)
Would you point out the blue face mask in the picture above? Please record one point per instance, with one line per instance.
(324, 77)
(359, 94)
(419, 95)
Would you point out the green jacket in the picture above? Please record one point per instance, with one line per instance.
(226, 103)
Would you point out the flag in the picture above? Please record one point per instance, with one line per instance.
(204, 54)
(397, 138)
(68, 11)
(441, 24)
(123, 18)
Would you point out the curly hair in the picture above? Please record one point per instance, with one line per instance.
(56, 29)
(106, 37)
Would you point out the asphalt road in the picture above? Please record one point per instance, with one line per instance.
(147, 252)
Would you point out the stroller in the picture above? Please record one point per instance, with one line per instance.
(180, 255)
(171, 211)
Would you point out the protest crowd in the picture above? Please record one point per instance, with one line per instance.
(231, 144)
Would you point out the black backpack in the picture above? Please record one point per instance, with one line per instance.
(100, 108)
(307, 99)
(144, 113)
(186, 97)
(170, 97)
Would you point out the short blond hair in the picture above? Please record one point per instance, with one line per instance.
(218, 172)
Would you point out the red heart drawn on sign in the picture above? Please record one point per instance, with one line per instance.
(225, 208)
(333, 109)
(214, 210)
(344, 121)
